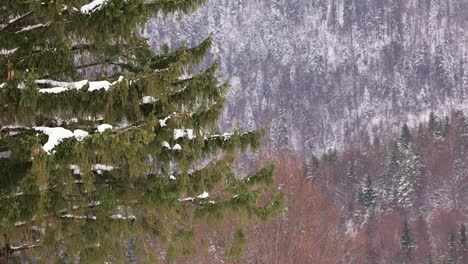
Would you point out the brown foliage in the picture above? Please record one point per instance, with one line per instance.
(309, 229)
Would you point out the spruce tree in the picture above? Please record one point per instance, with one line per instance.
(462, 235)
(405, 168)
(462, 245)
(450, 257)
(107, 145)
(368, 193)
(348, 15)
(429, 259)
(350, 174)
(405, 136)
(312, 168)
(432, 122)
(407, 243)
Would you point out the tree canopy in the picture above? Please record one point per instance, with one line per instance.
(105, 141)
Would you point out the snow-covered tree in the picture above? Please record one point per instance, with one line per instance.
(462, 248)
(312, 167)
(409, 180)
(405, 169)
(405, 137)
(279, 130)
(104, 141)
(450, 256)
(407, 245)
(368, 193)
(350, 173)
(348, 15)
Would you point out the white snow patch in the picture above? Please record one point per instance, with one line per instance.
(225, 136)
(80, 134)
(28, 28)
(166, 144)
(7, 52)
(93, 86)
(93, 6)
(179, 133)
(20, 223)
(162, 122)
(121, 217)
(186, 199)
(177, 147)
(60, 87)
(189, 133)
(94, 203)
(78, 217)
(56, 135)
(53, 90)
(204, 195)
(104, 127)
(75, 169)
(121, 78)
(99, 168)
(148, 99)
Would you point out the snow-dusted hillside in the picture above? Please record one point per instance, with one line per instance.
(324, 72)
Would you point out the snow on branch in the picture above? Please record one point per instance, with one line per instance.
(78, 217)
(92, 7)
(7, 52)
(57, 134)
(29, 28)
(204, 195)
(24, 247)
(180, 133)
(59, 87)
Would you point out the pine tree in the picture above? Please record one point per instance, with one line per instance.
(107, 142)
(406, 169)
(432, 122)
(405, 137)
(330, 156)
(450, 257)
(332, 18)
(393, 168)
(429, 259)
(463, 239)
(281, 129)
(312, 167)
(376, 142)
(348, 15)
(350, 174)
(462, 245)
(407, 243)
(368, 193)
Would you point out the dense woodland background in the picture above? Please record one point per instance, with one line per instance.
(365, 102)
(401, 200)
(347, 88)
(330, 72)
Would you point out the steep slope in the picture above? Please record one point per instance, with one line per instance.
(330, 72)
(352, 207)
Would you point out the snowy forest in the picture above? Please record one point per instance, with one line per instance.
(234, 131)
(330, 72)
